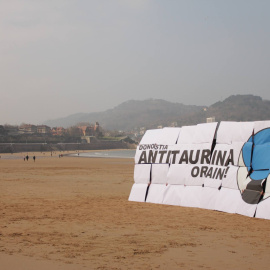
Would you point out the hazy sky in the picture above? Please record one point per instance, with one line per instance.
(59, 57)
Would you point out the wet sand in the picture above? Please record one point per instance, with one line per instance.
(73, 213)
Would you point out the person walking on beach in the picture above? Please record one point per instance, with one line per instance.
(27, 157)
(34, 158)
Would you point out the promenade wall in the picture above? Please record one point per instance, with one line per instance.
(44, 147)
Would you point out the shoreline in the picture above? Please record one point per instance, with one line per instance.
(112, 153)
(49, 154)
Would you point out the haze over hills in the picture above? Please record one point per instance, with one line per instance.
(153, 112)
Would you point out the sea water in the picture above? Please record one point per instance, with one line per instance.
(107, 154)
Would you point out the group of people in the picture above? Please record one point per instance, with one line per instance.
(27, 157)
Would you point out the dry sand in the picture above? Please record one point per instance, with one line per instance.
(73, 213)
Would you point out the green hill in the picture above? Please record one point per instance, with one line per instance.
(153, 112)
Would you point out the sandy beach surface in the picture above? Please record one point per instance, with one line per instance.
(73, 213)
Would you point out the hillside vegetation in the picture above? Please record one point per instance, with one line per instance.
(153, 112)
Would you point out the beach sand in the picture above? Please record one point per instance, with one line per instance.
(73, 213)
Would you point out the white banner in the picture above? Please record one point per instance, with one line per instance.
(225, 169)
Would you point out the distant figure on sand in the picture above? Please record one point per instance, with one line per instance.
(34, 158)
(24, 158)
(27, 157)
